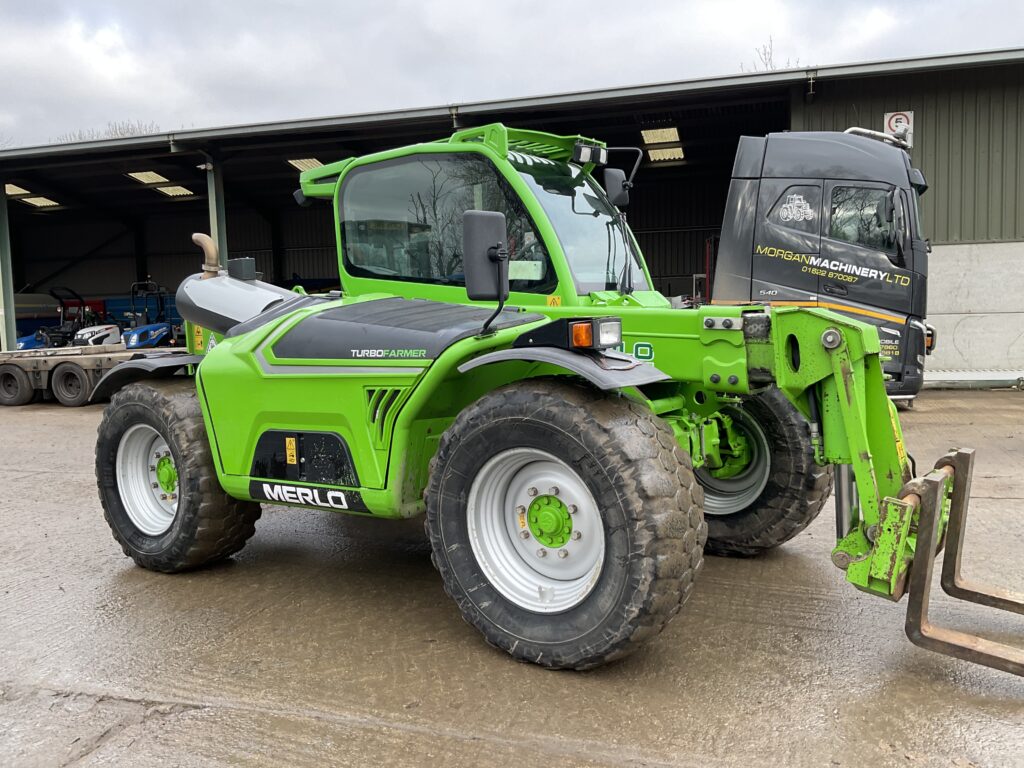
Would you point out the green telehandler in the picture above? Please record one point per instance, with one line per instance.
(499, 363)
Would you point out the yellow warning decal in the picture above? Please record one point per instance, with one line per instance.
(197, 337)
(554, 301)
(901, 450)
(289, 450)
(522, 520)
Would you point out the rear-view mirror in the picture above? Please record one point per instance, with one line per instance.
(616, 187)
(485, 255)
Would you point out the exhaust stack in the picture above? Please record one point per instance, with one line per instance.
(216, 300)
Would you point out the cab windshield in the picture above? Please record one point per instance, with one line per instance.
(597, 245)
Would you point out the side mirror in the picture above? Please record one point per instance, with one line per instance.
(484, 255)
(890, 205)
(616, 186)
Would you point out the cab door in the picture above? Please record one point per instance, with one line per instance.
(864, 258)
(786, 239)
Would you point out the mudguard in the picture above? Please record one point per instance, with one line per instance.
(605, 370)
(156, 366)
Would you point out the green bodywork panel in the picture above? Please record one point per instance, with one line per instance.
(712, 356)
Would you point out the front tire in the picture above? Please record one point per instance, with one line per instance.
(157, 483)
(597, 484)
(779, 493)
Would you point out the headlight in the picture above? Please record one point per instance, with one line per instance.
(133, 339)
(609, 332)
(599, 333)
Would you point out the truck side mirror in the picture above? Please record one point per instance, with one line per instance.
(890, 205)
(485, 255)
(616, 186)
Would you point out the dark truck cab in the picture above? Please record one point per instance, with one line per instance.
(832, 220)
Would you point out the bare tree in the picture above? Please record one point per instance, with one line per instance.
(765, 61)
(116, 129)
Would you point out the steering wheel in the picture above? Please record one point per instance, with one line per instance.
(527, 250)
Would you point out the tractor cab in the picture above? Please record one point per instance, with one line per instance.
(149, 321)
(399, 218)
(832, 220)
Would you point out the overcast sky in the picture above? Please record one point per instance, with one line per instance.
(72, 65)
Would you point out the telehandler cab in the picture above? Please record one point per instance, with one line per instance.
(498, 361)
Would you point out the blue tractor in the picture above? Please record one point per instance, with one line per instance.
(73, 316)
(149, 321)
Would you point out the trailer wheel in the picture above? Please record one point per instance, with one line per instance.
(70, 385)
(780, 491)
(566, 524)
(157, 482)
(15, 386)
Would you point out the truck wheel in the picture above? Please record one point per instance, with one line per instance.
(781, 489)
(157, 483)
(566, 524)
(70, 385)
(15, 387)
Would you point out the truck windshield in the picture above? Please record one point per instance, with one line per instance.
(598, 248)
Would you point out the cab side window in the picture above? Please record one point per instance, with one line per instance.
(858, 216)
(402, 220)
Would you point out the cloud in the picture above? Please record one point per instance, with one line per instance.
(188, 64)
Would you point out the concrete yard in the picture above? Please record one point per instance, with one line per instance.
(329, 640)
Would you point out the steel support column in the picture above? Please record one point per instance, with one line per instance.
(7, 310)
(218, 215)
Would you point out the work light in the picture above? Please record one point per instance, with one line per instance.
(598, 333)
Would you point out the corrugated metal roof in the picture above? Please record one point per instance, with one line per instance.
(197, 138)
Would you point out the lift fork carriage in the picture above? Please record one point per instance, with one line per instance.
(890, 525)
(929, 494)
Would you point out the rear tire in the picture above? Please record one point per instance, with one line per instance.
(792, 487)
(157, 483)
(15, 386)
(70, 385)
(630, 483)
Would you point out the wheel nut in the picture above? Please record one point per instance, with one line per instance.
(542, 553)
(563, 553)
(524, 534)
(156, 455)
(173, 496)
(154, 485)
(152, 467)
(573, 509)
(577, 535)
(520, 510)
(531, 491)
(553, 490)
(163, 497)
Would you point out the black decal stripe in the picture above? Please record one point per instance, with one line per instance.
(316, 497)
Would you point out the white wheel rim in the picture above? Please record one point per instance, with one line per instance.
(505, 486)
(732, 495)
(150, 507)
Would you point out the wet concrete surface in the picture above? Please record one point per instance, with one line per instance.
(329, 641)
